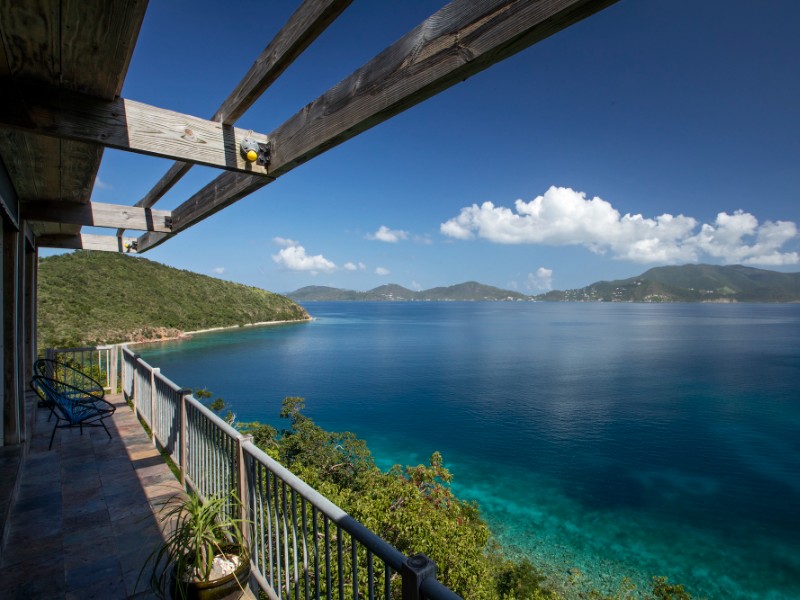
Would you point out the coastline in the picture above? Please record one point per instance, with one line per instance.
(186, 334)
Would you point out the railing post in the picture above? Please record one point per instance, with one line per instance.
(113, 366)
(244, 496)
(153, 374)
(415, 570)
(184, 437)
(50, 355)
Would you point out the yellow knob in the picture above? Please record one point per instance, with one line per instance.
(251, 155)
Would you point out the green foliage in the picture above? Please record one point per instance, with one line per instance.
(412, 507)
(469, 291)
(415, 510)
(88, 298)
(264, 436)
(690, 283)
(519, 581)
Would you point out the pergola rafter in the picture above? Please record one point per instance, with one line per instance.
(126, 125)
(462, 39)
(303, 27)
(45, 119)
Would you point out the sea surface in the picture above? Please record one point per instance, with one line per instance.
(602, 440)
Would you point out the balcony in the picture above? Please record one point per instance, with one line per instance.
(86, 514)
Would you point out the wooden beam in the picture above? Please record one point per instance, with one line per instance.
(173, 176)
(462, 39)
(303, 27)
(86, 241)
(125, 125)
(99, 215)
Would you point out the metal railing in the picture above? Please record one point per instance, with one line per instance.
(302, 546)
(99, 362)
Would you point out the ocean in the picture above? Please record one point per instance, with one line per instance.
(603, 441)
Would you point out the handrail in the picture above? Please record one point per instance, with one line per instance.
(297, 536)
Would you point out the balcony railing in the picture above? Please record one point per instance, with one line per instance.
(301, 544)
(100, 362)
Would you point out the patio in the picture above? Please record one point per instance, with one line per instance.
(86, 514)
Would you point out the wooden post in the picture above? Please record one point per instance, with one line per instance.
(113, 367)
(244, 496)
(153, 404)
(184, 442)
(10, 366)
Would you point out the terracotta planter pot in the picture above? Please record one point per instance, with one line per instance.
(229, 587)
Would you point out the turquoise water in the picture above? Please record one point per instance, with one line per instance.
(602, 440)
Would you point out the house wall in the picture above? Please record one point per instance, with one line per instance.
(17, 301)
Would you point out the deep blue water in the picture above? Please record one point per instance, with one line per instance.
(608, 440)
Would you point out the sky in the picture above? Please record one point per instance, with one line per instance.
(653, 133)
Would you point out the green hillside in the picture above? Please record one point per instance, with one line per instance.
(690, 283)
(469, 291)
(100, 297)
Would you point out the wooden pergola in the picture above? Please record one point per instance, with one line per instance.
(62, 67)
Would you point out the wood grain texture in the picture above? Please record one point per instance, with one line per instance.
(463, 38)
(85, 241)
(98, 214)
(79, 45)
(303, 27)
(97, 42)
(170, 178)
(126, 125)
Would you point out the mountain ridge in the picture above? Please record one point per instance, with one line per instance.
(392, 292)
(683, 283)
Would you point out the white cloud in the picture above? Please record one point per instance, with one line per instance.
(382, 271)
(564, 217)
(384, 234)
(351, 266)
(416, 286)
(285, 242)
(99, 184)
(293, 257)
(541, 281)
(218, 270)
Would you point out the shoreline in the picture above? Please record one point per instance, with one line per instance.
(186, 334)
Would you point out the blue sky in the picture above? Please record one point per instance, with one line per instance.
(652, 133)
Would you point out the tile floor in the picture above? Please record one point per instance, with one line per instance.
(86, 516)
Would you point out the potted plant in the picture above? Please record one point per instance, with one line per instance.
(204, 556)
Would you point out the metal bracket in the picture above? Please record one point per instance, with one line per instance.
(264, 150)
(168, 222)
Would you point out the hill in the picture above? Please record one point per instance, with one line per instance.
(469, 291)
(90, 298)
(690, 283)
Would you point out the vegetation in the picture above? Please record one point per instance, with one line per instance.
(687, 283)
(690, 283)
(200, 533)
(413, 508)
(88, 298)
(469, 291)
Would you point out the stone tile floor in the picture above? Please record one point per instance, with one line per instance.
(87, 512)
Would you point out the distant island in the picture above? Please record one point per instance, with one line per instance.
(87, 298)
(686, 283)
(469, 291)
